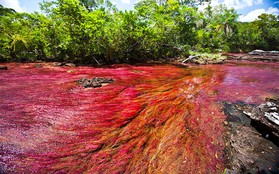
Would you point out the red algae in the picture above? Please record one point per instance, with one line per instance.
(152, 119)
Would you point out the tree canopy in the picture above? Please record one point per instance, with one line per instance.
(93, 31)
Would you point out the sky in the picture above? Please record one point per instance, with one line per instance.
(248, 10)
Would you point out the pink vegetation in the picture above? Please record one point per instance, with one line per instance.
(152, 119)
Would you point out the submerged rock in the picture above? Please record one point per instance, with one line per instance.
(3, 67)
(94, 82)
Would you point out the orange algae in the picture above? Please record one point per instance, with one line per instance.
(152, 119)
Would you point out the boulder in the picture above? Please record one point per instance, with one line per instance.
(94, 82)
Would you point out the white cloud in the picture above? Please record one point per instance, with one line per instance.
(273, 10)
(14, 4)
(113, 2)
(259, 2)
(236, 4)
(125, 1)
(253, 15)
(213, 3)
(240, 4)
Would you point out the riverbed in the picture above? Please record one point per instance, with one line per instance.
(151, 119)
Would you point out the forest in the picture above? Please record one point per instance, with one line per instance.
(96, 32)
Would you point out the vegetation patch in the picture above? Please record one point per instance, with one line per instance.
(205, 58)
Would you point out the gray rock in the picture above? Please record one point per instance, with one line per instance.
(273, 117)
(256, 52)
(94, 82)
(252, 148)
(266, 117)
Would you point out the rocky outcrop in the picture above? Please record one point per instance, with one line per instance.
(256, 55)
(264, 53)
(249, 152)
(252, 144)
(3, 67)
(94, 82)
(265, 118)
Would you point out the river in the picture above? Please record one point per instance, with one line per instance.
(151, 119)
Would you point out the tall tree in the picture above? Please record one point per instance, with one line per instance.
(269, 26)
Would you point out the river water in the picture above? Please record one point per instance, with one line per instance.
(151, 119)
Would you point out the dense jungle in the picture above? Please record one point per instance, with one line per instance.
(89, 31)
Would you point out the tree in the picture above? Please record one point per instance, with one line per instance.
(91, 4)
(216, 28)
(191, 3)
(6, 11)
(269, 27)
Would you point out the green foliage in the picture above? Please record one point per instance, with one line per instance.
(259, 34)
(6, 11)
(93, 31)
(216, 29)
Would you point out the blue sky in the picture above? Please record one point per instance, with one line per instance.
(248, 9)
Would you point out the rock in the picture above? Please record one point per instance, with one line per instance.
(250, 152)
(3, 67)
(256, 52)
(237, 112)
(57, 64)
(70, 64)
(64, 64)
(94, 82)
(265, 118)
(252, 148)
(270, 58)
(228, 171)
(256, 55)
(264, 53)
